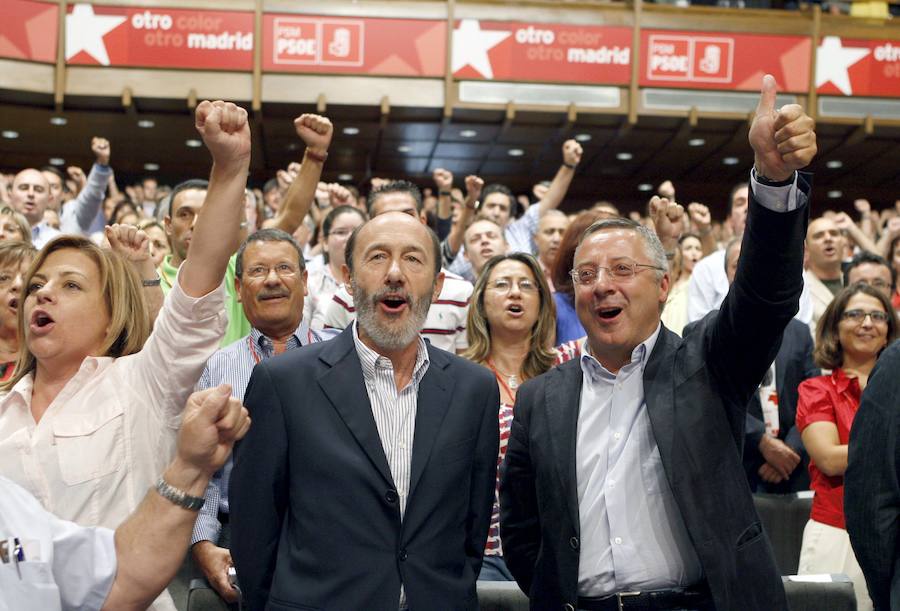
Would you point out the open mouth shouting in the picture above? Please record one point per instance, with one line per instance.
(608, 313)
(515, 309)
(393, 303)
(41, 323)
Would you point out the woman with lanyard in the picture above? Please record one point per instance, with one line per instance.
(511, 325)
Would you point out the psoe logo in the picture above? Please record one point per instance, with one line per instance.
(317, 42)
(690, 58)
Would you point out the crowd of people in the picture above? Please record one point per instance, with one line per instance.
(447, 383)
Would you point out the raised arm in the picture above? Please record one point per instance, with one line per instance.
(571, 152)
(474, 185)
(78, 214)
(151, 543)
(316, 132)
(216, 237)
(134, 246)
(701, 219)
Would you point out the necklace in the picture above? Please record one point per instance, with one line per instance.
(512, 380)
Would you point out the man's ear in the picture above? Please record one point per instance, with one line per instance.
(237, 288)
(345, 275)
(438, 286)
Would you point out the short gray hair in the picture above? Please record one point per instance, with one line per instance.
(652, 246)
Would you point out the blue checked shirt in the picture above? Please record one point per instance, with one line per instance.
(233, 365)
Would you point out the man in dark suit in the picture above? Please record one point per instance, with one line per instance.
(369, 479)
(623, 484)
(776, 462)
(871, 489)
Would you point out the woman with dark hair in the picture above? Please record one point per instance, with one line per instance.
(510, 330)
(325, 280)
(690, 250)
(853, 331)
(568, 327)
(125, 213)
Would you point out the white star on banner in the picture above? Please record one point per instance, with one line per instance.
(471, 45)
(85, 32)
(832, 62)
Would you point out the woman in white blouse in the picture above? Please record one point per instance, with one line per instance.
(93, 408)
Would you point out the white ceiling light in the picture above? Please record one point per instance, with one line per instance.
(351, 131)
(623, 156)
(834, 164)
(10, 134)
(57, 161)
(835, 194)
(193, 143)
(515, 152)
(468, 133)
(645, 186)
(151, 167)
(404, 148)
(345, 177)
(731, 161)
(146, 123)
(583, 137)
(696, 142)
(58, 120)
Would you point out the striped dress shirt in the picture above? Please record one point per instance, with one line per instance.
(233, 365)
(394, 412)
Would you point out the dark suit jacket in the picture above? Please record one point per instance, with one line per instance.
(696, 393)
(872, 482)
(315, 513)
(793, 364)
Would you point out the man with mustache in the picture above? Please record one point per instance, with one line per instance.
(368, 478)
(270, 281)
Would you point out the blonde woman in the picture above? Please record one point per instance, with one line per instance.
(511, 326)
(14, 226)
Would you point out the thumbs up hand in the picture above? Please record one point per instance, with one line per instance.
(784, 139)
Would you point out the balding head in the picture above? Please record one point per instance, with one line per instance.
(31, 194)
(392, 223)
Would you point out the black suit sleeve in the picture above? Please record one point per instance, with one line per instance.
(258, 495)
(744, 337)
(792, 438)
(520, 529)
(484, 478)
(871, 488)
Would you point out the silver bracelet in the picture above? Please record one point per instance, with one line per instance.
(179, 497)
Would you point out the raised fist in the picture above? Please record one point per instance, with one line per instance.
(842, 220)
(862, 206)
(338, 195)
(474, 185)
(572, 152)
(667, 190)
(77, 174)
(225, 131)
(783, 140)
(212, 421)
(700, 215)
(129, 241)
(100, 148)
(315, 131)
(668, 218)
(443, 179)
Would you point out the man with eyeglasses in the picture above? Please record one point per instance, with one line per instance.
(270, 280)
(623, 485)
(873, 270)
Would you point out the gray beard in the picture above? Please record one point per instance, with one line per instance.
(394, 337)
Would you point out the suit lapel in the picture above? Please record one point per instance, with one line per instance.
(435, 391)
(344, 386)
(659, 396)
(563, 397)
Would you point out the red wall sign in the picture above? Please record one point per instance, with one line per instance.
(858, 67)
(159, 37)
(28, 30)
(705, 60)
(341, 45)
(513, 51)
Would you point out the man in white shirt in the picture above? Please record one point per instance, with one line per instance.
(49, 564)
(825, 251)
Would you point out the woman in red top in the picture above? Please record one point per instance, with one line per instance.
(511, 324)
(857, 325)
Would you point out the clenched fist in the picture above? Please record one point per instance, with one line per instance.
(572, 152)
(668, 218)
(225, 131)
(315, 131)
(100, 148)
(783, 140)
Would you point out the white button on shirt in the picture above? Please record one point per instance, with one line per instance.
(632, 534)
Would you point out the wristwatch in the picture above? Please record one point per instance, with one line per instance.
(179, 497)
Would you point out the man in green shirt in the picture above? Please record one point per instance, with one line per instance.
(187, 199)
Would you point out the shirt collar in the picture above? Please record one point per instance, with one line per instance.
(167, 272)
(301, 336)
(370, 360)
(843, 383)
(640, 354)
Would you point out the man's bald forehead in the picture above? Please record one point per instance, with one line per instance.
(393, 219)
(31, 174)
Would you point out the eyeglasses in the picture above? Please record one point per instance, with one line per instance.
(504, 285)
(259, 272)
(858, 316)
(623, 270)
(340, 233)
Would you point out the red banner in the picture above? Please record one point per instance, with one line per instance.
(159, 37)
(28, 30)
(707, 60)
(363, 45)
(513, 51)
(858, 67)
